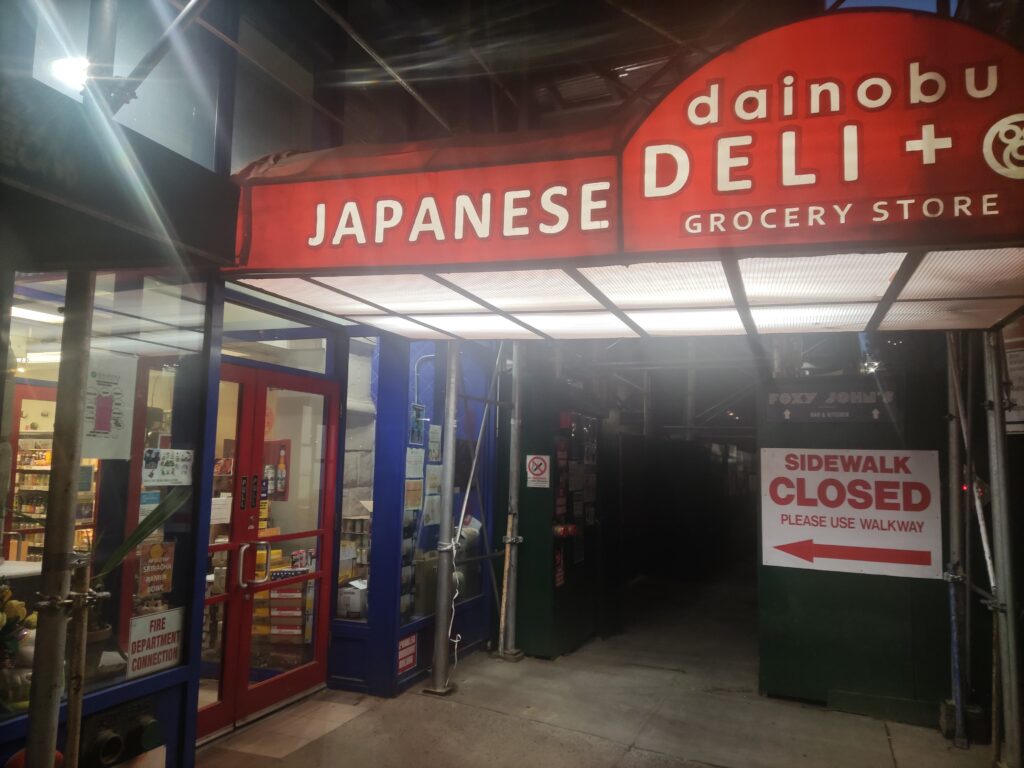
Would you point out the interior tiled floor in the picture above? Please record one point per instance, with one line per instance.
(676, 690)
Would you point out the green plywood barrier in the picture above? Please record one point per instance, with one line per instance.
(876, 645)
(552, 618)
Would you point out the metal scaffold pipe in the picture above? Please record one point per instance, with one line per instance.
(445, 530)
(59, 541)
(1006, 605)
(976, 492)
(507, 620)
(955, 574)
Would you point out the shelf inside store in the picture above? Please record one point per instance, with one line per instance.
(42, 529)
(32, 469)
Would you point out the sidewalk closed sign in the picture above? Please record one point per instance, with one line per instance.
(874, 512)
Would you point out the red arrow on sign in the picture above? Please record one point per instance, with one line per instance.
(808, 550)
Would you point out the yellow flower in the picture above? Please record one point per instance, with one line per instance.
(15, 610)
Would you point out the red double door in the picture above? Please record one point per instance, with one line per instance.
(267, 609)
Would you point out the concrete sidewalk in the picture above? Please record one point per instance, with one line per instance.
(677, 689)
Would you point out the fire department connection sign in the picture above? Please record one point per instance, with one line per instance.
(875, 512)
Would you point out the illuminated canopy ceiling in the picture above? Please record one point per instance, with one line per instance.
(805, 294)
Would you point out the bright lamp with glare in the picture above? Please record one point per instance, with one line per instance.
(72, 71)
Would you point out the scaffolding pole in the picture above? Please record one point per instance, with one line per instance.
(1006, 606)
(954, 574)
(507, 648)
(444, 610)
(59, 542)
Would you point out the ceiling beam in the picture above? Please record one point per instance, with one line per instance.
(486, 305)
(910, 264)
(605, 302)
(731, 268)
(475, 55)
(1017, 313)
(645, 22)
(359, 40)
(613, 81)
(381, 308)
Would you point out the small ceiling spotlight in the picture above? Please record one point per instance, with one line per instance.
(869, 366)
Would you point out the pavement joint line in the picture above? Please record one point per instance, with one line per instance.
(686, 762)
(654, 710)
(888, 736)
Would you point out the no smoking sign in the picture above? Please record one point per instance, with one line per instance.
(538, 471)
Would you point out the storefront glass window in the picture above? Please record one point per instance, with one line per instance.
(357, 495)
(134, 513)
(423, 479)
(273, 92)
(176, 104)
(262, 337)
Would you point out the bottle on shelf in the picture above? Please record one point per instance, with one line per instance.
(282, 472)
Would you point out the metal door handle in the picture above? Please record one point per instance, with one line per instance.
(255, 494)
(266, 573)
(245, 481)
(241, 563)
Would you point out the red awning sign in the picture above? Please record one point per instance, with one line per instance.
(882, 127)
(866, 127)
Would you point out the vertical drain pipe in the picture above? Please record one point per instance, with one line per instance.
(1006, 606)
(507, 648)
(954, 574)
(443, 610)
(59, 542)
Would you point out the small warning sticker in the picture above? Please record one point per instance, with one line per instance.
(407, 653)
(538, 471)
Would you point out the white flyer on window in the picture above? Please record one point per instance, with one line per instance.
(109, 400)
(167, 466)
(414, 463)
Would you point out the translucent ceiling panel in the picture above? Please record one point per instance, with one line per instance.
(526, 290)
(407, 294)
(816, 318)
(478, 326)
(578, 325)
(398, 325)
(663, 284)
(947, 315)
(813, 279)
(688, 322)
(962, 274)
(312, 295)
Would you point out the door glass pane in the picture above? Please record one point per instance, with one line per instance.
(357, 495)
(255, 335)
(211, 669)
(293, 462)
(283, 628)
(224, 464)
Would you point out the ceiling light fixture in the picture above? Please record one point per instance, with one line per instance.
(44, 357)
(22, 313)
